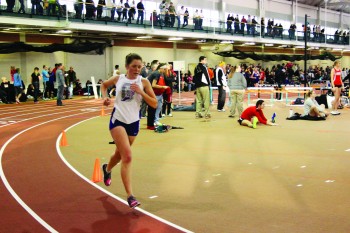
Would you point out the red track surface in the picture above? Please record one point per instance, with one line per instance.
(36, 173)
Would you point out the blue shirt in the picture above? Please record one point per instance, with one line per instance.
(17, 80)
(45, 75)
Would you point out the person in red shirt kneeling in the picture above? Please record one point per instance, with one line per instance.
(253, 115)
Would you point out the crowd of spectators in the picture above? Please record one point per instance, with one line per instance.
(168, 14)
(42, 85)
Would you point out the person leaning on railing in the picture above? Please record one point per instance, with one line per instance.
(140, 10)
(101, 4)
(78, 7)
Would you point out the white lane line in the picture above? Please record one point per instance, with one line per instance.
(78, 109)
(44, 110)
(23, 108)
(104, 190)
(8, 186)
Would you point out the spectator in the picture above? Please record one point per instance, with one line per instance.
(222, 85)
(18, 85)
(172, 14)
(125, 10)
(202, 81)
(72, 78)
(243, 23)
(140, 12)
(132, 11)
(162, 8)
(61, 84)
(312, 108)
(45, 75)
(229, 23)
(186, 15)
(35, 81)
(4, 93)
(120, 7)
(237, 84)
(100, 5)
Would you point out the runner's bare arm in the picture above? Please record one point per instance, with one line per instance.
(113, 80)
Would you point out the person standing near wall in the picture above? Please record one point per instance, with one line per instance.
(46, 76)
(125, 120)
(35, 81)
(61, 84)
(17, 84)
(202, 80)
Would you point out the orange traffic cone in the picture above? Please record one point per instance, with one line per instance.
(103, 111)
(97, 175)
(63, 141)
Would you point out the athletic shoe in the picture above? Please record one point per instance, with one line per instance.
(334, 113)
(255, 121)
(221, 110)
(231, 116)
(208, 116)
(157, 123)
(133, 202)
(170, 115)
(163, 115)
(151, 127)
(106, 175)
(199, 116)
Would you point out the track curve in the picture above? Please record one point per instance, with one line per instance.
(36, 173)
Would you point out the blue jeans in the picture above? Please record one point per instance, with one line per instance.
(159, 107)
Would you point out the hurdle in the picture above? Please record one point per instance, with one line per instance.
(261, 90)
(299, 90)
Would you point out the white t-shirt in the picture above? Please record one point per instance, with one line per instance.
(127, 102)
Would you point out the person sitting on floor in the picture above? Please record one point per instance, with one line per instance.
(312, 108)
(253, 115)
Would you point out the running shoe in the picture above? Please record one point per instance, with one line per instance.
(207, 116)
(255, 121)
(334, 113)
(133, 202)
(106, 175)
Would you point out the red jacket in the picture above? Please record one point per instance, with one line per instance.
(250, 112)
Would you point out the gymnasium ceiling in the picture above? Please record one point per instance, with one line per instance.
(337, 5)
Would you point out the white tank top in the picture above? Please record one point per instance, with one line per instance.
(127, 102)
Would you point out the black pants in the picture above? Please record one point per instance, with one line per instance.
(36, 91)
(49, 89)
(166, 108)
(221, 98)
(3, 96)
(151, 114)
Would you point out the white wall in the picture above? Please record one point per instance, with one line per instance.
(101, 66)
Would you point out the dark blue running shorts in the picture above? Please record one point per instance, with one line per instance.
(131, 129)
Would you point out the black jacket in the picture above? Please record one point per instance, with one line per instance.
(198, 73)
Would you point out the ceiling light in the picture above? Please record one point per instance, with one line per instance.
(337, 49)
(268, 45)
(299, 47)
(201, 41)
(144, 37)
(346, 50)
(64, 31)
(283, 46)
(175, 38)
(249, 43)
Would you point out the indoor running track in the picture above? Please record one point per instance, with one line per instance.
(39, 193)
